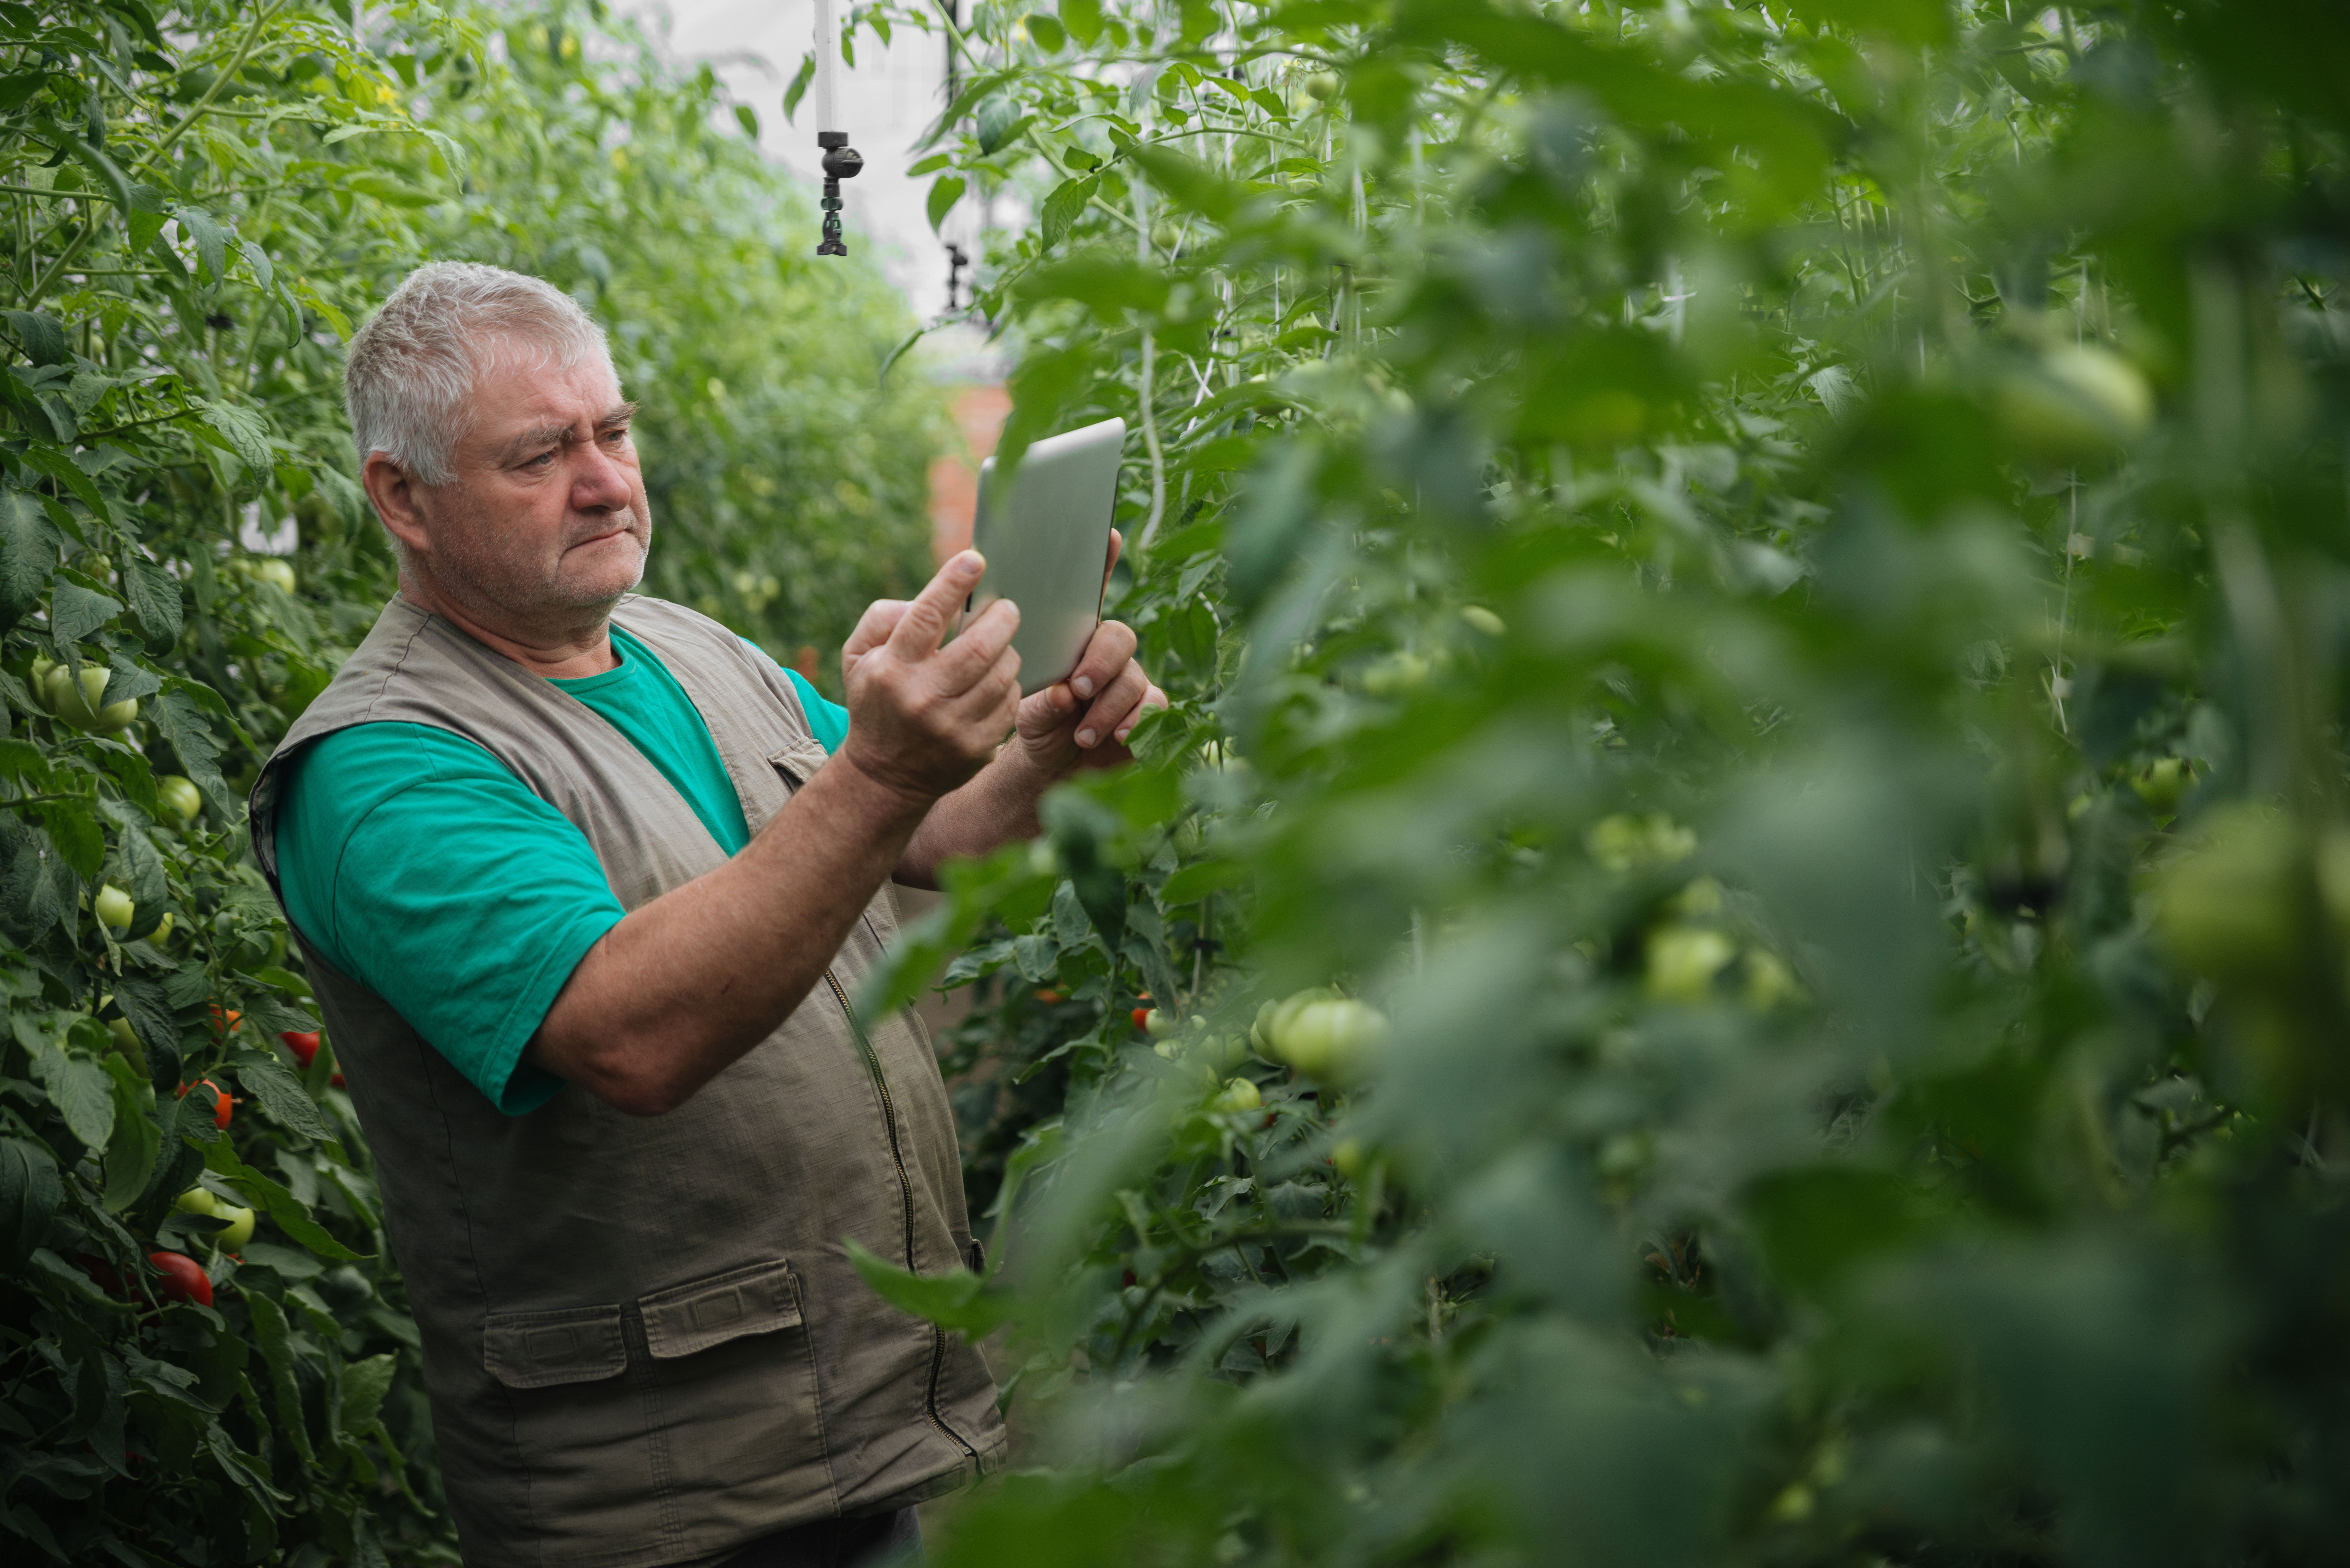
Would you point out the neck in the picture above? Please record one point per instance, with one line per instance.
(561, 645)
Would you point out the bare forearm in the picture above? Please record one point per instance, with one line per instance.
(997, 807)
(681, 989)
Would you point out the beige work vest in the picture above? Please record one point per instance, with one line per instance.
(643, 1340)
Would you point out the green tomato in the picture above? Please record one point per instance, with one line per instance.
(1484, 620)
(270, 569)
(1240, 1095)
(1157, 1024)
(196, 1200)
(239, 1226)
(76, 700)
(180, 797)
(124, 1035)
(1683, 960)
(2161, 784)
(2229, 910)
(1273, 1016)
(2080, 403)
(1333, 1039)
(113, 907)
(1323, 85)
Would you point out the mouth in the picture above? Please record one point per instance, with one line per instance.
(620, 530)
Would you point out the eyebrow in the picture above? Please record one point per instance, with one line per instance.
(530, 442)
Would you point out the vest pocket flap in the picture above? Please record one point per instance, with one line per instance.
(756, 1299)
(541, 1349)
(799, 760)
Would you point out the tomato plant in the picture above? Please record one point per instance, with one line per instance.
(1750, 596)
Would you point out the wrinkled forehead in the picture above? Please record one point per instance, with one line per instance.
(521, 383)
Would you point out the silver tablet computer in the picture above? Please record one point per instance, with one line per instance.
(1046, 544)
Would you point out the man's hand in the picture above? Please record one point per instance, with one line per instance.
(921, 719)
(1083, 721)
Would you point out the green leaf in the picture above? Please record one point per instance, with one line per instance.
(29, 543)
(130, 1151)
(79, 841)
(797, 88)
(288, 1212)
(281, 1095)
(75, 611)
(62, 468)
(144, 1003)
(242, 431)
(210, 239)
(365, 1384)
(43, 338)
(748, 119)
(154, 596)
(1065, 205)
(944, 193)
(176, 715)
(349, 499)
(29, 1194)
(1049, 35)
(957, 1300)
(81, 1091)
(148, 213)
(276, 1341)
(1083, 18)
(1201, 878)
(389, 191)
(258, 260)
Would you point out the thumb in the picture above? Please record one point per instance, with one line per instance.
(874, 627)
(925, 621)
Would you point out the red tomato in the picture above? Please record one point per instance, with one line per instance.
(223, 1022)
(303, 1042)
(183, 1280)
(337, 1080)
(221, 1108)
(1139, 1014)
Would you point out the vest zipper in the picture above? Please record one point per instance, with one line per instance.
(906, 1196)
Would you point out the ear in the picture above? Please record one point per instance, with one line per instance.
(395, 498)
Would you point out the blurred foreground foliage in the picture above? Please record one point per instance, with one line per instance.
(1759, 592)
(201, 202)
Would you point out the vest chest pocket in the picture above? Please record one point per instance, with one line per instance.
(798, 761)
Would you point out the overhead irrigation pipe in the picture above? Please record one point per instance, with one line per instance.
(840, 160)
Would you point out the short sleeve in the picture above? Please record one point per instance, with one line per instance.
(425, 870)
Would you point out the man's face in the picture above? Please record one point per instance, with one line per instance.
(547, 510)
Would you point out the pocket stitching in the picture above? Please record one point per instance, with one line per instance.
(781, 1308)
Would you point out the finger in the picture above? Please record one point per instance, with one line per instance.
(963, 662)
(1153, 698)
(1118, 708)
(1108, 652)
(873, 627)
(1116, 548)
(917, 633)
(1042, 713)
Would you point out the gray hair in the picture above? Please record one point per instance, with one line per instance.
(411, 370)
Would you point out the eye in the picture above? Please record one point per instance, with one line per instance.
(542, 462)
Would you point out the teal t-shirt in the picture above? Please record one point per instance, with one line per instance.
(422, 868)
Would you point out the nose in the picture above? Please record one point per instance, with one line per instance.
(599, 483)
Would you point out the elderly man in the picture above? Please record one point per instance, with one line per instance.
(586, 884)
